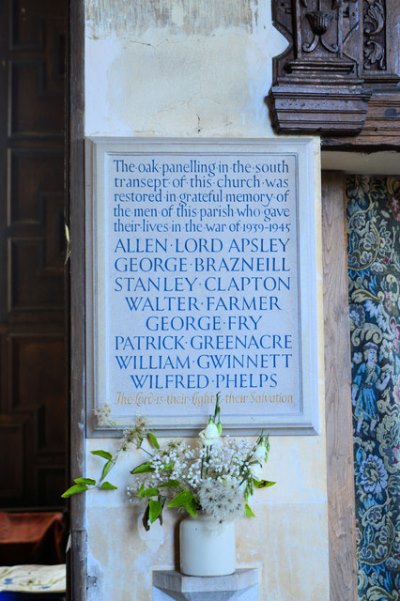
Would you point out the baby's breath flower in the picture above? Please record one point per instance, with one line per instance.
(132, 494)
(103, 415)
(135, 435)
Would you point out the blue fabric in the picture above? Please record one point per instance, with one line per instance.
(373, 212)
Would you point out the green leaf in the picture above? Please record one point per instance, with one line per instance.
(147, 492)
(152, 439)
(191, 508)
(143, 468)
(183, 498)
(249, 490)
(249, 513)
(74, 490)
(106, 469)
(88, 481)
(103, 454)
(186, 500)
(170, 484)
(180, 499)
(263, 483)
(108, 486)
(155, 509)
(217, 410)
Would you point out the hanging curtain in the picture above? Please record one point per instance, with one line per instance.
(373, 218)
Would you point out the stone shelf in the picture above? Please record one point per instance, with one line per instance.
(242, 585)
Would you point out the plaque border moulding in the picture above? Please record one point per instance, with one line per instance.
(304, 152)
(339, 55)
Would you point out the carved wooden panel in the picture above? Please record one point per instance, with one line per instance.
(381, 128)
(380, 21)
(28, 478)
(44, 111)
(37, 67)
(12, 436)
(49, 481)
(26, 25)
(36, 382)
(34, 180)
(31, 286)
(340, 54)
(32, 202)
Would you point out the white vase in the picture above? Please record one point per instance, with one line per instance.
(207, 547)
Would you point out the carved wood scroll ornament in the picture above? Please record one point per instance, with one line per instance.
(338, 55)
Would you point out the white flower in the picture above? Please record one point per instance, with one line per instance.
(210, 435)
(223, 500)
(256, 471)
(260, 452)
(103, 415)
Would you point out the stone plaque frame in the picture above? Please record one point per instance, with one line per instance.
(105, 308)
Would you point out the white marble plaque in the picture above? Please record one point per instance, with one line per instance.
(201, 278)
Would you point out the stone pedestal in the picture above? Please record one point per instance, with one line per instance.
(243, 585)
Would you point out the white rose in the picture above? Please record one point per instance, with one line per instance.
(256, 471)
(259, 453)
(210, 435)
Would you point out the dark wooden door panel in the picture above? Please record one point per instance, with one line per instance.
(12, 437)
(34, 179)
(33, 286)
(33, 408)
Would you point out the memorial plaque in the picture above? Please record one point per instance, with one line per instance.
(201, 278)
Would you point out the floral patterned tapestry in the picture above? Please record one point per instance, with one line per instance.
(373, 214)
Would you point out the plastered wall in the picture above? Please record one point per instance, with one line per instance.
(198, 68)
(184, 68)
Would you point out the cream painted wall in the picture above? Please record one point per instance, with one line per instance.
(198, 68)
(179, 67)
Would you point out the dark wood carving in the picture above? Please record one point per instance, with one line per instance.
(339, 55)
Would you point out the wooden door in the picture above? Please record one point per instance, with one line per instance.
(33, 405)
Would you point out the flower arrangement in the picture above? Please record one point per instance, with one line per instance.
(216, 474)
